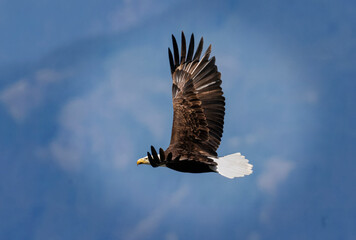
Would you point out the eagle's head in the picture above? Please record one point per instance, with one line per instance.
(143, 160)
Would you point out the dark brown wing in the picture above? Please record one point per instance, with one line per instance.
(198, 103)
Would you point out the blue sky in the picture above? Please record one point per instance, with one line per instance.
(85, 90)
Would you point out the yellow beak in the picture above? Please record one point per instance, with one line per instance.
(142, 161)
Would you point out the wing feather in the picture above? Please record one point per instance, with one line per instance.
(191, 49)
(183, 50)
(198, 103)
(176, 52)
(171, 62)
(199, 49)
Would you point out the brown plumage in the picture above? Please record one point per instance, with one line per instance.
(199, 109)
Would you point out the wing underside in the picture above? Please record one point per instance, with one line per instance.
(198, 102)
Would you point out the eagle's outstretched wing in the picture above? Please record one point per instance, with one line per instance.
(198, 103)
(198, 121)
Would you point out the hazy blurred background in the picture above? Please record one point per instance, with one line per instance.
(85, 89)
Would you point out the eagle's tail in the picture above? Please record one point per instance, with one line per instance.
(233, 165)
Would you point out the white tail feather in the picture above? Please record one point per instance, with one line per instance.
(233, 165)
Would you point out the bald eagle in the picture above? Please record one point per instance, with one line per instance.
(198, 117)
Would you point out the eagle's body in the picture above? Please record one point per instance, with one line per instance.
(198, 117)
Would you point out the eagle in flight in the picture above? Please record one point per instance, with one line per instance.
(198, 117)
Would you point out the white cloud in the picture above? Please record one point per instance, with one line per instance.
(97, 124)
(275, 172)
(27, 94)
(254, 236)
(234, 142)
(91, 128)
(20, 98)
(149, 224)
(132, 12)
(249, 139)
(131, 87)
(45, 76)
(171, 236)
(68, 155)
